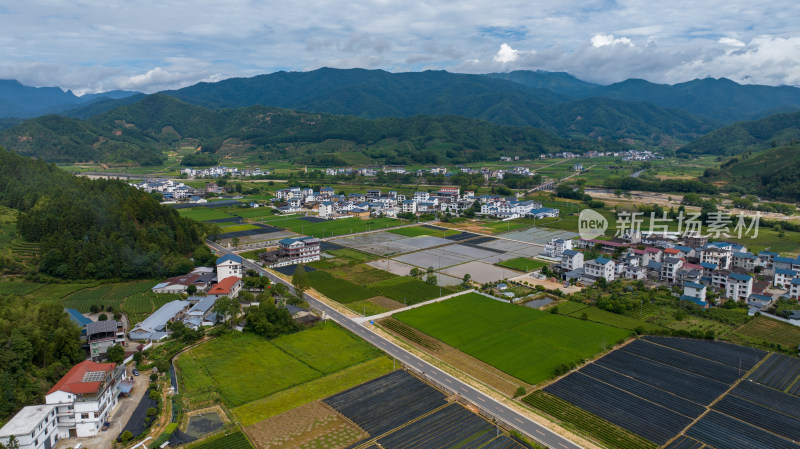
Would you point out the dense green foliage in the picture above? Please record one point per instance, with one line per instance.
(159, 122)
(757, 135)
(60, 139)
(719, 99)
(38, 345)
(774, 173)
(94, 228)
(664, 185)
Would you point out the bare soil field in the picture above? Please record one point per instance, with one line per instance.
(310, 426)
(471, 366)
(546, 283)
(387, 303)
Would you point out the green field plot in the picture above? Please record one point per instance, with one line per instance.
(235, 440)
(106, 295)
(337, 289)
(237, 228)
(523, 264)
(762, 329)
(353, 255)
(568, 307)
(510, 225)
(20, 288)
(315, 346)
(416, 231)
(316, 389)
(83, 300)
(408, 290)
(523, 342)
(334, 227)
(358, 273)
(243, 367)
(255, 213)
(204, 213)
(588, 423)
(146, 303)
(612, 319)
(54, 292)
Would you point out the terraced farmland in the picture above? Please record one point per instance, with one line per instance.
(20, 288)
(657, 386)
(106, 295)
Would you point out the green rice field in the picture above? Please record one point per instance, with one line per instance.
(526, 343)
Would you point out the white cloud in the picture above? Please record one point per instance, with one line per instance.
(605, 40)
(91, 45)
(732, 42)
(506, 54)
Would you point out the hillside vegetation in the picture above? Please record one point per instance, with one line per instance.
(140, 132)
(773, 173)
(94, 228)
(756, 135)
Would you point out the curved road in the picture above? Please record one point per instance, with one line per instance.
(534, 430)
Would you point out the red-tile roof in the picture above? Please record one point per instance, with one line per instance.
(650, 249)
(224, 286)
(72, 382)
(672, 251)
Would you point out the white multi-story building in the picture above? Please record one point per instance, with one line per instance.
(695, 290)
(293, 251)
(669, 268)
(783, 277)
(600, 268)
(556, 247)
(747, 261)
(33, 427)
(571, 260)
(229, 265)
(325, 209)
(794, 288)
(718, 256)
(84, 397)
(738, 286)
(409, 206)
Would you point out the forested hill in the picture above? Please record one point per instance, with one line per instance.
(772, 173)
(141, 131)
(94, 228)
(717, 99)
(757, 135)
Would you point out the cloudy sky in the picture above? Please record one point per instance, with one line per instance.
(151, 45)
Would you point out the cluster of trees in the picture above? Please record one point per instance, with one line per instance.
(664, 185)
(94, 228)
(38, 345)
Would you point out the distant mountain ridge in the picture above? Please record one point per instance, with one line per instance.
(718, 99)
(20, 101)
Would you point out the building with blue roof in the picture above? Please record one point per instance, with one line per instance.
(600, 268)
(738, 287)
(78, 318)
(783, 277)
(229, 265)
(154, 327)
(694, 300)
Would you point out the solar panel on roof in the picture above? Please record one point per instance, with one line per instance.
(94, 376)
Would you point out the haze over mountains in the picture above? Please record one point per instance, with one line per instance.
(633, 112)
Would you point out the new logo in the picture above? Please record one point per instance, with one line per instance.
(591, 224)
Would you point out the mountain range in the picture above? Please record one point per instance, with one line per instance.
(19, 101)
(633, 112)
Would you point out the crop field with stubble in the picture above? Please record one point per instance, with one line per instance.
(525, 343)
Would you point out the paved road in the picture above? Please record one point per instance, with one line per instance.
(539, 433)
